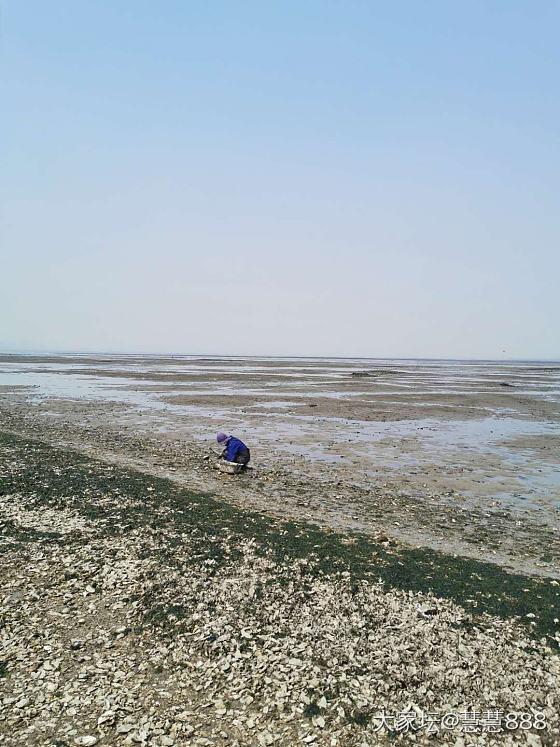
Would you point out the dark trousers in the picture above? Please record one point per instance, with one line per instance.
(243, 456)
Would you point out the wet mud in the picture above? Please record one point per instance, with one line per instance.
(444, 455)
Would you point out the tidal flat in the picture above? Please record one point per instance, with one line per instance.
(374, 561)
(457, 456)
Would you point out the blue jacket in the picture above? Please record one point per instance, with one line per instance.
(234, 446)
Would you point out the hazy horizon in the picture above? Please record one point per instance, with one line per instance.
(168, 354)
(357, 180)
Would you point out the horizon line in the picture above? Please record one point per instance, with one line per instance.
(45, 353)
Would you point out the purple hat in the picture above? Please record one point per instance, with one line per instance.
(221, 437)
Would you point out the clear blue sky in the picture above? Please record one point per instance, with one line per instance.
(301, 177)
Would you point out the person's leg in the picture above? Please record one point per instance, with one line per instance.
(243, 457)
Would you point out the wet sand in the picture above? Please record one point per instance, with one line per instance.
(457, 456)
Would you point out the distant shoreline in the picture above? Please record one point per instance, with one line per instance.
(218, 356)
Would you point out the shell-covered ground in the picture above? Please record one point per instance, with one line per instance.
(135, 611)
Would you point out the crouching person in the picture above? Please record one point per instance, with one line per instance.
(234, 450)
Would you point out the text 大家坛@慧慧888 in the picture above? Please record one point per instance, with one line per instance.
(474, 722)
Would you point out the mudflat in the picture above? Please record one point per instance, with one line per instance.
(387, 571)
(452, 455)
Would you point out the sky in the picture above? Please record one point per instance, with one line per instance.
(301, 177)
